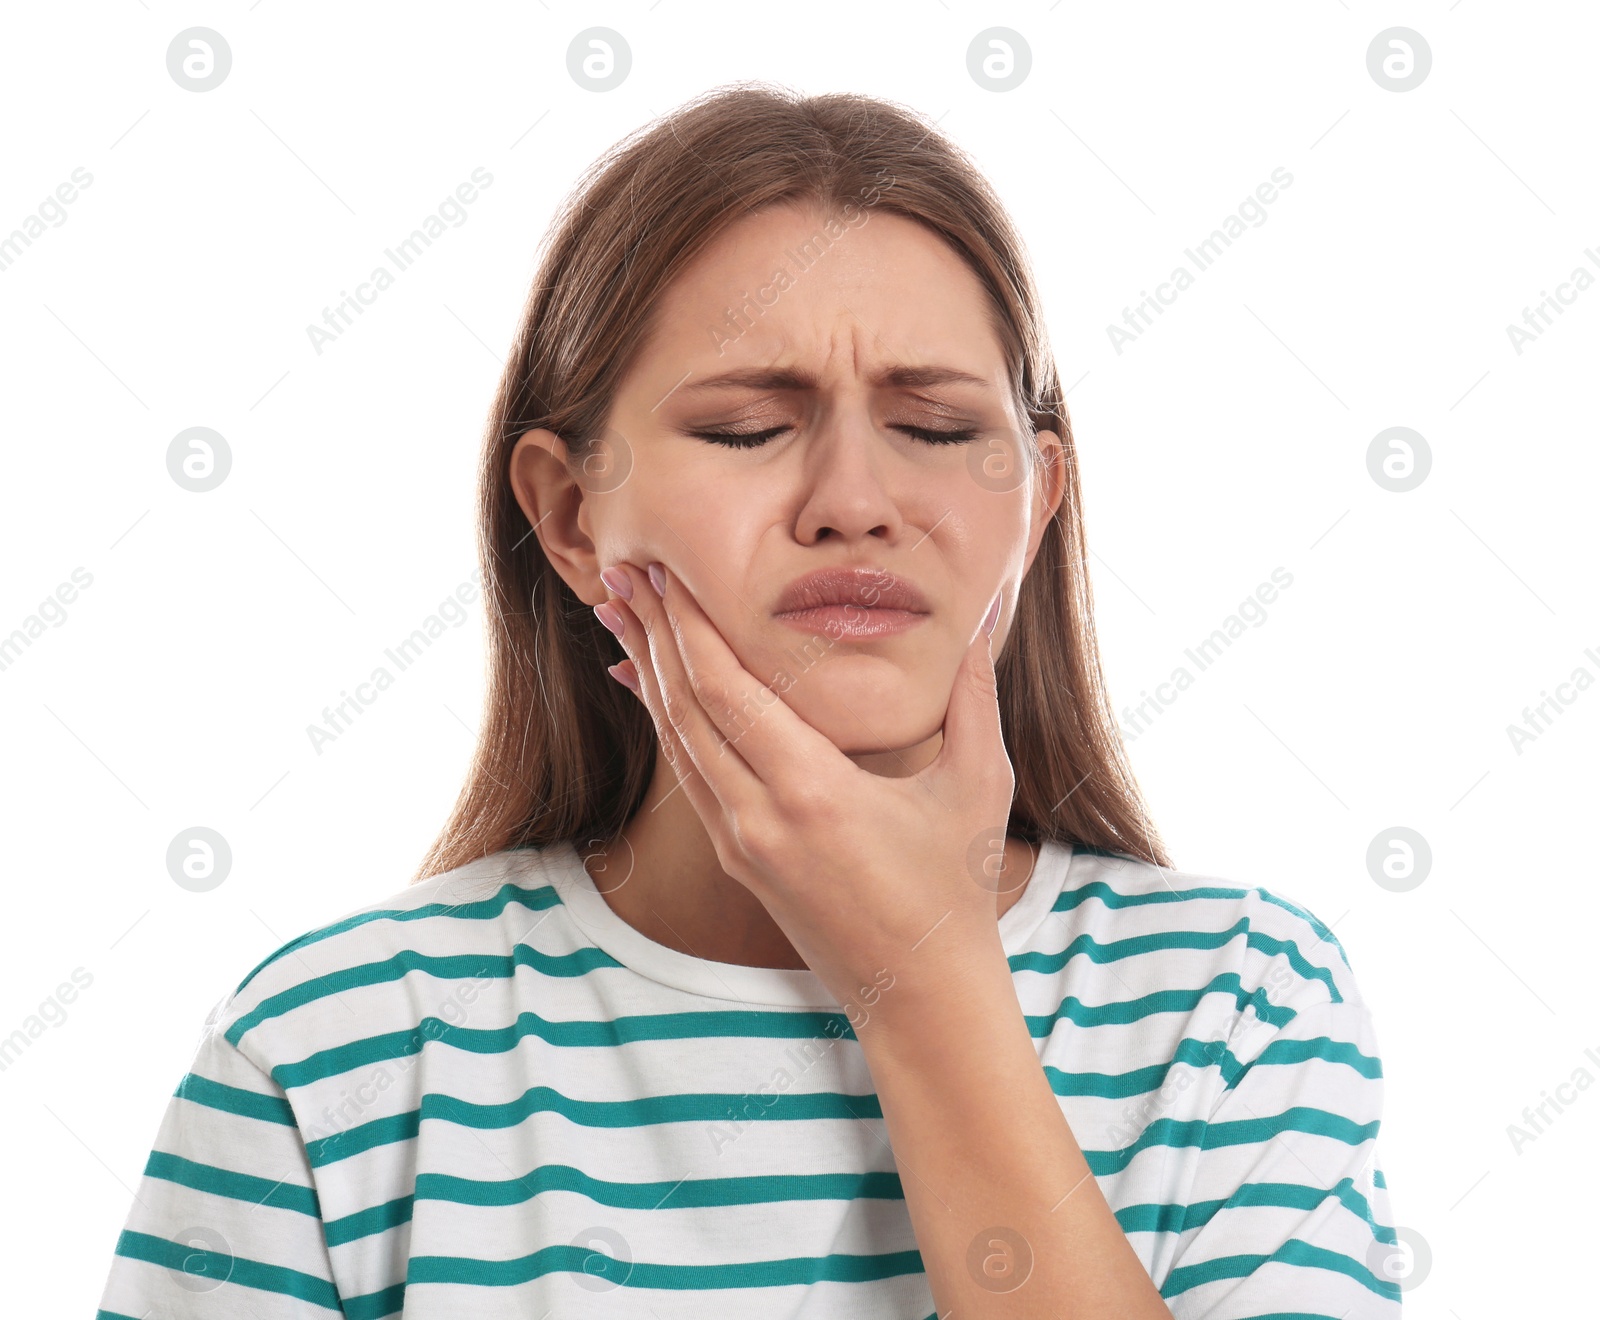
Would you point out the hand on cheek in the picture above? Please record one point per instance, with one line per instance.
(864, 873)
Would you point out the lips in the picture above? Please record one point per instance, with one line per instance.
(868, 588)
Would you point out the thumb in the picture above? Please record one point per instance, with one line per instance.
(972, 732)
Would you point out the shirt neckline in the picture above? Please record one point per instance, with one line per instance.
(769, 986)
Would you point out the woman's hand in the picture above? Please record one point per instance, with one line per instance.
(864, 873)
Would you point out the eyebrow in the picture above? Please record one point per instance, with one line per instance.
(791, 378)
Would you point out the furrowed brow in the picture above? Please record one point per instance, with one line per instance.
(787, 378)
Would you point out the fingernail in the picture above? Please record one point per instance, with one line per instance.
(658, 579)
(618, 581)
(608, 616)
(993, 617)
(624, 677)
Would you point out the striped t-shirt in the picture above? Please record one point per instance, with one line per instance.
(489, 1096)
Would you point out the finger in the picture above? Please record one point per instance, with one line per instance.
(774, 744)
(973, 734)
(626, 673)
(636, 642)
(718, 766)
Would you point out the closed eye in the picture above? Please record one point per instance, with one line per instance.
(752, 439)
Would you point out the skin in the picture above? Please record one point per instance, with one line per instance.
(841, 486)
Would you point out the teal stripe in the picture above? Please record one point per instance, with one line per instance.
(235, 1100)
(374, 1306)
(709, 1107)
(694, 1193)
(202, 1263)
(1313, 1047)
(363, 1137)
(369, 1050)
(1203, 1054)
(1114, 898)
(1298, 1118)
(1125, 1011)
(1292, 1252)
(484, 909)
(1156, 942)
(446, 967)
(1177, 1219)
(230, 1183)
(788, 1272)
(1137, 1081)
(1198, 1134)
(679, 1194)
(375, 1219)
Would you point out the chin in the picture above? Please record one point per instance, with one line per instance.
(865, 724)
(863, 701)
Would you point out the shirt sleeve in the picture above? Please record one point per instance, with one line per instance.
(225, 1220)
(1289, 1213)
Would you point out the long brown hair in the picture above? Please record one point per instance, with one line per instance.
(564, 751)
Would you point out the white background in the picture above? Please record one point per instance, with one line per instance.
(1228, 440)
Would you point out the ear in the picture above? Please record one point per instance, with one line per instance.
(553, 502)
(1051, 485)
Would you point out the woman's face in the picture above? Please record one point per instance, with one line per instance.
(839, 479)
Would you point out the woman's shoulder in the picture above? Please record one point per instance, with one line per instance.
(369, 965)
(1267, 935)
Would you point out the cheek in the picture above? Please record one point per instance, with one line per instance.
(626, 525)
(719, 539)
(988, 533)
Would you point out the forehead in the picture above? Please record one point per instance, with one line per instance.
(855, 295)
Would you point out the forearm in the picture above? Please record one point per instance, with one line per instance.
(1008, 1219)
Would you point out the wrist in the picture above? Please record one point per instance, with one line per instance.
(936, 996)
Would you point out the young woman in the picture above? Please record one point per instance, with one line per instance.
(799, 945)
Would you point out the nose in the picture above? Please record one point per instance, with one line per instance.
(847, 469)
